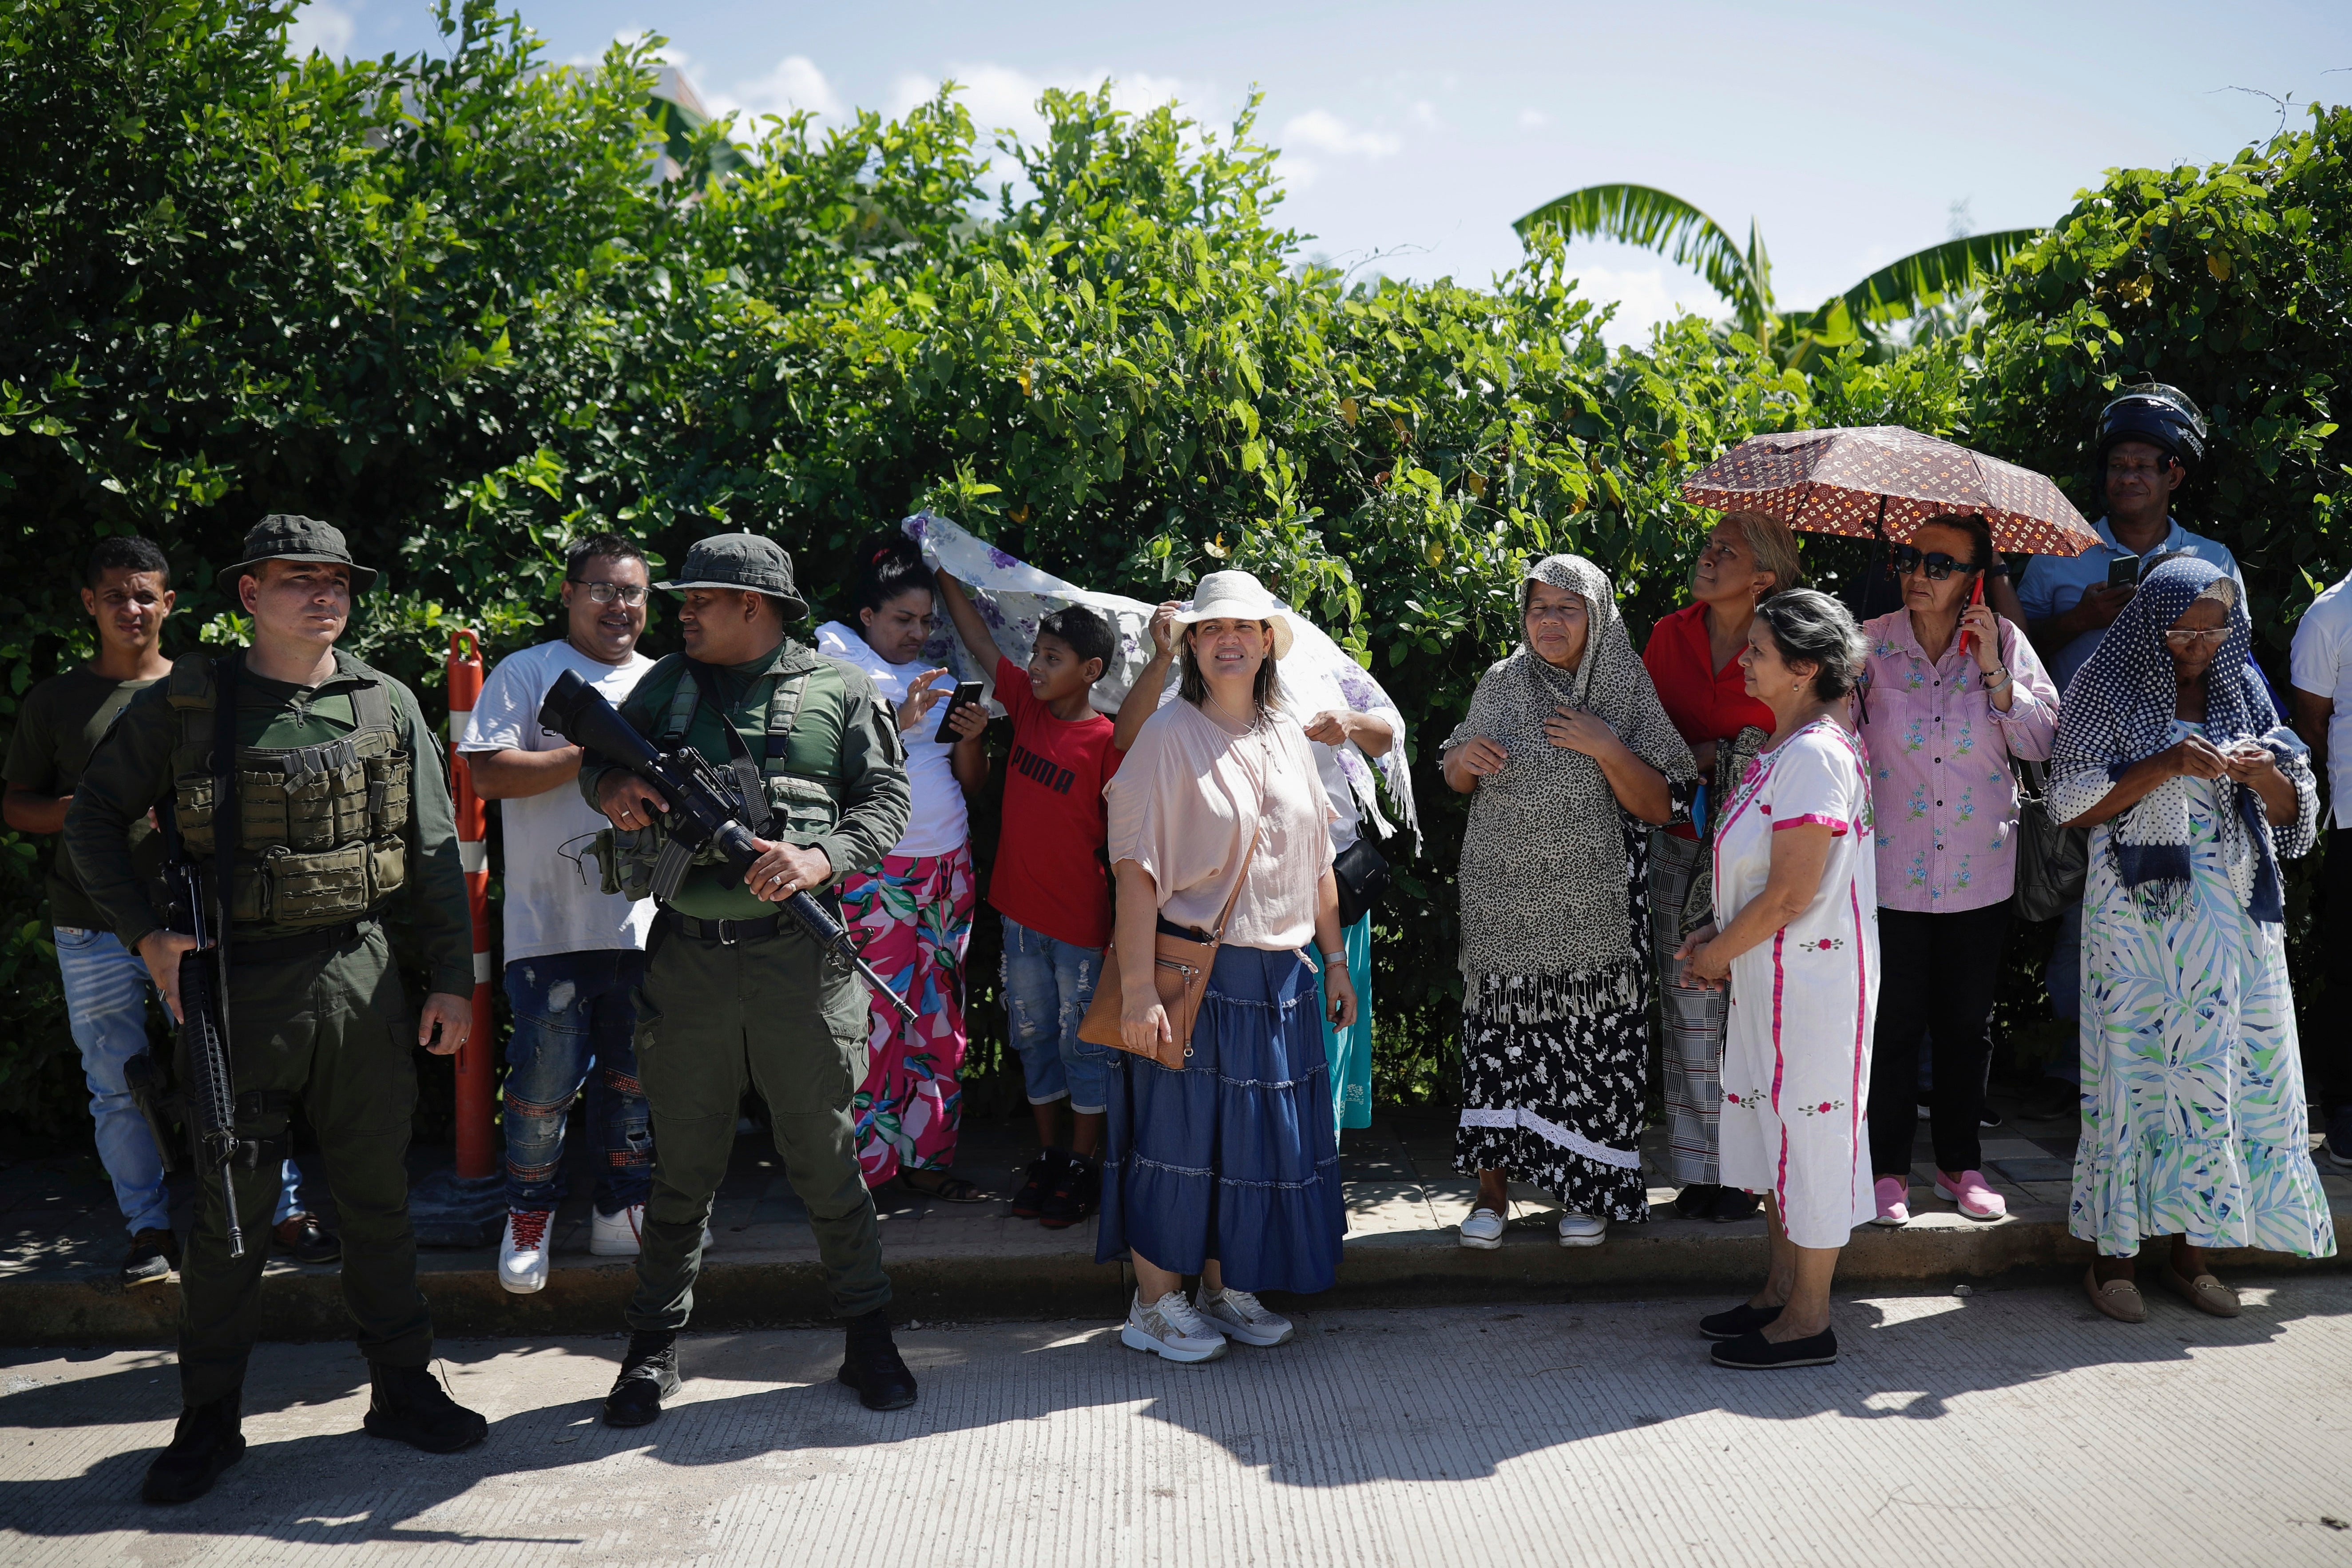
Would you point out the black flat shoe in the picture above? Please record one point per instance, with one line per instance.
(1694, 1201)
(1751, 1351)
(1732, 1204)
(648, 1376)
(1737, 1321)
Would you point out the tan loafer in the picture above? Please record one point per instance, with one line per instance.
(2118, 1299)
(2205, 1292)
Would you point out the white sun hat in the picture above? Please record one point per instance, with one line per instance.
(1240, 596)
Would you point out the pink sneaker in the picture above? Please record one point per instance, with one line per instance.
(1894, 1202)
(1968, 1190)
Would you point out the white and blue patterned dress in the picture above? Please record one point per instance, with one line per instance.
(2194, 1121)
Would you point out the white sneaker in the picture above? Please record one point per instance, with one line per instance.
(1582, 1230)
(1483, 1229)
(1170, 1328)
(623, 1235)
(1244, 1317)
(523, 1251)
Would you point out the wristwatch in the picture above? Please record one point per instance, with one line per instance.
(2000, 567)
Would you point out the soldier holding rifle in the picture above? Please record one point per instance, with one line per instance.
(321, 775)
(735, 988)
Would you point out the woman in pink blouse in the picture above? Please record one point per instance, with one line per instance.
(1951, 693)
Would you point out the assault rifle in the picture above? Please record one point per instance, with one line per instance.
(206, 1098)
(706, 807)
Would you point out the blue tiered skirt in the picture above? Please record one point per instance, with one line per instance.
(1235, 1156)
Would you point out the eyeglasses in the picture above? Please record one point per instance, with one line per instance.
(1906, 559)
(2186, 639)
(630, 593)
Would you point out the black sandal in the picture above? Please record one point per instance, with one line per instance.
(952, 1188)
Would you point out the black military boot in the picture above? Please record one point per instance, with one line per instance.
(870, 1364)
(648, 1376)
(207, 1441)
(411, 1406)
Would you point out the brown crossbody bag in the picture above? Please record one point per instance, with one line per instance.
(1180, 971)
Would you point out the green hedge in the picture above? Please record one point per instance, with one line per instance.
(440, 302)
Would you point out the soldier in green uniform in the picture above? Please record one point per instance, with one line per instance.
(734, 989)
(339, 803)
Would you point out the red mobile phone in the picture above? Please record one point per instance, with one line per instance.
(1976, 596)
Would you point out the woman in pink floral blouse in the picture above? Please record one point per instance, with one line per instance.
(1951, 693)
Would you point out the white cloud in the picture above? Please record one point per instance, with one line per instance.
(795, 83)
(1533, 119)
(1005, 96)
(1324, 132)
(1424, 114)
(1645, 296)
(322, 26)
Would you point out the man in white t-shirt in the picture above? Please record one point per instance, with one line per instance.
(2321, 671)
(575, 953)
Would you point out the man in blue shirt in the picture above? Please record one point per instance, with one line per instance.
(2149, 441)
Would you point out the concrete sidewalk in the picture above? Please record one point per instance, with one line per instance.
(61, 1241)
(2013, 1426)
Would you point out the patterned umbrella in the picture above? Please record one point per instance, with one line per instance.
(1883, 481)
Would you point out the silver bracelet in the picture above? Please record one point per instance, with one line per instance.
(1339, 957)
(2006, 679)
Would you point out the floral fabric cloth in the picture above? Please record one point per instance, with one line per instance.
(1013, 596)
(2194, 1121)
(1939, 772)
(912, 921)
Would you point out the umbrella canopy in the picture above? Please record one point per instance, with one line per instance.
(1883, 481)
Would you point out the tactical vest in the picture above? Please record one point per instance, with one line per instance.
(780, 801)
(320, 828)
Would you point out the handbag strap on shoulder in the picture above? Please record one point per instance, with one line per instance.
(1226, 915)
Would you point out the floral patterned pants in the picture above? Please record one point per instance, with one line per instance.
(912, 921)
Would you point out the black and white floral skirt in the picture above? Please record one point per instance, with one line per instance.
(1552, 1076)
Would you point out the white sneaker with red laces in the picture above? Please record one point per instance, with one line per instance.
(523, 1251)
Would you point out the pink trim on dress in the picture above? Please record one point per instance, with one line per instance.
(1813, 818)
(1779, 979)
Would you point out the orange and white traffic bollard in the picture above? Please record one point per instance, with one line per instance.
(476, 1090)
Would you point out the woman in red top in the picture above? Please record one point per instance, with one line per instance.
(1694, 660)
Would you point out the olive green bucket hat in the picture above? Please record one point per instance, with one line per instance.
(741, 561)
(285, 536)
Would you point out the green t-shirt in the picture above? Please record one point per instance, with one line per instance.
(278, 716)
(59, 724)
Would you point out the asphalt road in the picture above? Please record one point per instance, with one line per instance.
(2008, 1426)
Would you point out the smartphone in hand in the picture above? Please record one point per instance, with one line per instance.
(2123, 571)
(966, 692)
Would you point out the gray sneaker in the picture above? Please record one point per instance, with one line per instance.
(1171, 1328)
(1243, 1316)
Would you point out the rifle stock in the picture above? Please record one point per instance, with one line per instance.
(703, 810)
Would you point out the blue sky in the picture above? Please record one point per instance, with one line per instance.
(1413, 135)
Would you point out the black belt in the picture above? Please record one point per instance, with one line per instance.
(302, 944)
(726, 933)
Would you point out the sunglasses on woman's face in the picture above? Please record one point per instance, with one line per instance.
(1906, 559)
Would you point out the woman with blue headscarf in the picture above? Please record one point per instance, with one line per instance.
(2194, 1124)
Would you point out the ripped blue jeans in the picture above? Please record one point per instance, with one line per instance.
(575, 1021)
(1048, 985)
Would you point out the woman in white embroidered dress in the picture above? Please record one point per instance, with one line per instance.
(1796, 936)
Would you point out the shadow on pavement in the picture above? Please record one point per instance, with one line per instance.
(1360, 1397)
